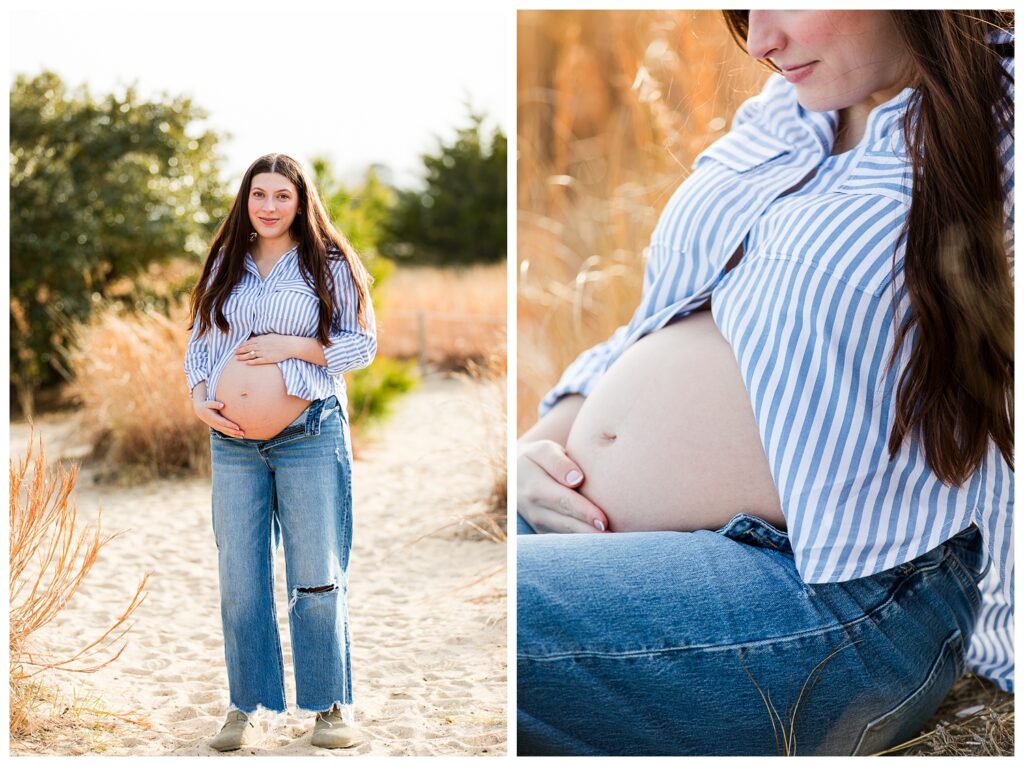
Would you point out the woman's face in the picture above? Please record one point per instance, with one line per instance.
(855, 57)
(273, 203)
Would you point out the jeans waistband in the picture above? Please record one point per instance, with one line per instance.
(314, 407)
(317, 409)
(754, 528)
(968, 547)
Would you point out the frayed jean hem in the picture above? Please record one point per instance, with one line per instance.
(261, 712)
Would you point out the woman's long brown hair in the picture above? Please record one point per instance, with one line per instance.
(319, 242)
(956, 391)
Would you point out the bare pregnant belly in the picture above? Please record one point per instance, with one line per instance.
(255, 398)
(667, 439)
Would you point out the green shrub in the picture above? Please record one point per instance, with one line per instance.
(373, 390)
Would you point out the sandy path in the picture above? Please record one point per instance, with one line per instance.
(429, 653)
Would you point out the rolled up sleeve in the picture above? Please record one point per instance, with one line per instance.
(351, 346)
(197, 358)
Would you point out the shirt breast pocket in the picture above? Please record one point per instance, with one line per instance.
(296, 308)
(883, 173)
(879, 190)
(743, 149)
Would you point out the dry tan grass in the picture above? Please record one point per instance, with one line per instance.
(135, 408)
(612, 108)
(491, 379)
(976, 718)
(49, 560)
(452, 316)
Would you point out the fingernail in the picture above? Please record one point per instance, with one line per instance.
(599, 524)
(573, 476)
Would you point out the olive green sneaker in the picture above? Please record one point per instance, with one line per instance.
(331, 731)
(236, 732)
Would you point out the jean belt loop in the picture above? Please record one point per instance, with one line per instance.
(318, 414)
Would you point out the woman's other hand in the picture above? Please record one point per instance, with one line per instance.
(265, 349)
(206, 411)
(546, 490)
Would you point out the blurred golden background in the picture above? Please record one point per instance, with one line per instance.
(613, 106)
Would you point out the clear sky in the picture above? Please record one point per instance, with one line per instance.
(303, 77)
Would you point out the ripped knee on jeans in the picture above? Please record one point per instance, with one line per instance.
(321, 589)
(310, 590)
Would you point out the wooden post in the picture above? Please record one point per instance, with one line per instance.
(421, 328)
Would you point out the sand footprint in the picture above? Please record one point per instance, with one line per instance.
(186, 713)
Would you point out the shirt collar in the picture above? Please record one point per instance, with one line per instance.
(884, 126)
(250, 264)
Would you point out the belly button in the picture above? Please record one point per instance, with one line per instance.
(608, 437)
(244, 394)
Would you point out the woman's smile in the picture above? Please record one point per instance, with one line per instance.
(798, 73)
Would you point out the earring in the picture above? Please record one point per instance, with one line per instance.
(252, 237)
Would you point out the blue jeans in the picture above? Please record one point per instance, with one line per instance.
(296, 485)
(680, 643)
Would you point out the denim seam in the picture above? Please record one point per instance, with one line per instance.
(843, 626)
(270, 585)
(946, 653)
(964, 576)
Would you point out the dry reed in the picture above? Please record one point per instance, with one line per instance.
(786, 728)
(490, 379)
(612, 108)
(976, 718)
(49, 561)
(448, 317)
(135, 408)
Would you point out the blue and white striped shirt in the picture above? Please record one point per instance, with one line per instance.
(808, 313)
(284, 304)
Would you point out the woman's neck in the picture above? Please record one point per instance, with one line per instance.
(849, 132)
(271, 249)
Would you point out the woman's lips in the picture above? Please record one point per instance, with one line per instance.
(796, 74)
(269, 221)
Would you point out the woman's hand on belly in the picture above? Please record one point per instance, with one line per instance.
(266, 349)
(255, 397)
(547, 499)
(207, 412)
(667, 438)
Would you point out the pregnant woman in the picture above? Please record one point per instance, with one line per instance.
(280, 311)
(791, 470)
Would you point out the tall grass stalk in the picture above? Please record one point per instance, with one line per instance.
(613, 106)
(787, 745)
(49, 560)
(135, 408)
(490, 378)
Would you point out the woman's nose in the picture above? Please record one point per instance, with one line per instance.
(764, 35)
